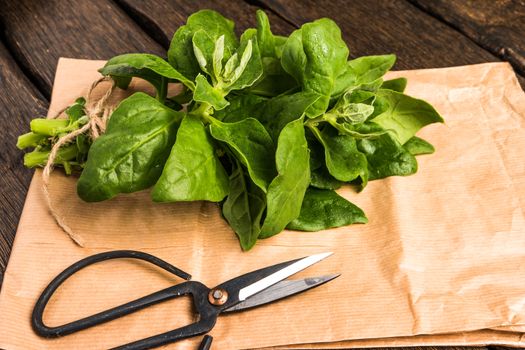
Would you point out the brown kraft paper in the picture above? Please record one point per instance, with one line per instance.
(442, 256)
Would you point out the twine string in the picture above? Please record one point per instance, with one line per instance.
(98, 113)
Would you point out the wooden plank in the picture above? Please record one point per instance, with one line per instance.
(380, 27)
(498, 26)
(163, 19)
(39, 33)
(20, 101)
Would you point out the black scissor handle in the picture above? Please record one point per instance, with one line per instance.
(207, 318)
(204, 325)
(168, 293)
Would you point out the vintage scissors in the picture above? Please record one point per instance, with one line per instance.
(249, 290)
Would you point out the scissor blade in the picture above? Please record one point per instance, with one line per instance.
(281, 290)
(280, 275)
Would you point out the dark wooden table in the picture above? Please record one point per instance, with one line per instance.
(35, 33)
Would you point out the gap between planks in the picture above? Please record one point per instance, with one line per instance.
(501, 53)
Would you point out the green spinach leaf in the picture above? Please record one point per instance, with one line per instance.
(244, 68)
(386, 156)
(285, 193)
(252, 145)
(265, 37)
(367, 69)
(240, 107)
(354, 107)
(398, 84)
(244, 207)
(315, 56)
(129, 157)
(417, 146)
(343, 160)
(206, 93)
(277, 112)
(323, 209)
(145, 66)
(274, 79)
(320, 177)
(193, 170)
(405, 115)
(204, 48)
(363, 72)
(181, 54)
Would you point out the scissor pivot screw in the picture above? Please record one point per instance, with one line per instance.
(217, 296)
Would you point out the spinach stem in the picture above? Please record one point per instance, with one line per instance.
(48, 127)
(39, 158)
(202, 111)
(29, 139)
(315, 131)
(315, 121)
(163, 90)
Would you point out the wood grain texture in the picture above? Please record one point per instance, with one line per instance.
(379, 27)
(166, 16)
(496, 25)
(20, 101)
(38, 32)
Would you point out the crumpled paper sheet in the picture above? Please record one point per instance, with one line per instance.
(473, 338)
(443, 251)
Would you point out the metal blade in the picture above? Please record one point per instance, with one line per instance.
(281, 290)
(279, 275)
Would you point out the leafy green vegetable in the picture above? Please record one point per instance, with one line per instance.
(274, 80)
(343, 160)
(315, 56)
(206, 52)
(244, 68)
(265, 37)
(323, 209)
(244, 207)
(181, 54)
(145, 66)
(206, 93)
(364, 73)
(319, 175)
(417, 146)
(321, 178)
(45, 132)
(193, 170)
(350, 111)
(130, 156)
(277, 112)
(286, 192)
(265, 125)
(367, 69)
(240, 107)
(405, 115)
(252, 145)
(398, 84)
(386, 156)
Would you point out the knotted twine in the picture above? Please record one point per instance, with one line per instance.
(98, 113)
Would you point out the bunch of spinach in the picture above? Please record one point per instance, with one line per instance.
(268, 126)
(45, 132)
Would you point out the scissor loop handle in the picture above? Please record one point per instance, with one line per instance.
(204, 325)
(105, 316)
